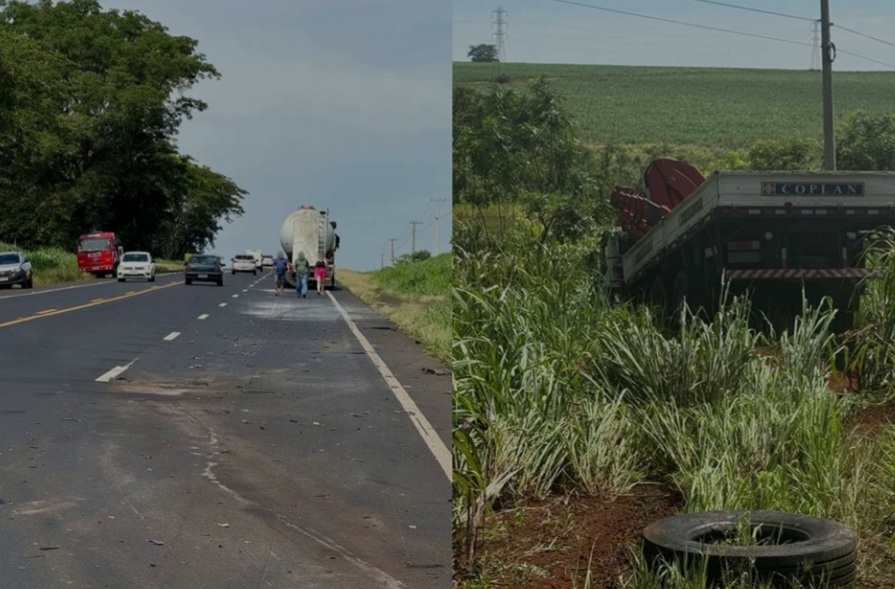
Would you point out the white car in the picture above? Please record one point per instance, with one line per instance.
(15, 269)
(136, 265)
(243, 263)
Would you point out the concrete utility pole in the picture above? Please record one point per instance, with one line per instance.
(499, 34)
(413, 224)
(393, 240)
(437, 202)
(828, 54)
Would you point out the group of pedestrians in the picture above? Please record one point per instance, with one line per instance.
(301, 267)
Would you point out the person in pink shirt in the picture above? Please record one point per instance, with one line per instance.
(320, 276)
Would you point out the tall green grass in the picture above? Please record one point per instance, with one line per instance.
(416, 295)
(431, 276)
(556, 391)
(50, 265)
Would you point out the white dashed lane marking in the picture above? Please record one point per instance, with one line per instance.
(203, 316)
(172, 336)
(222, 305)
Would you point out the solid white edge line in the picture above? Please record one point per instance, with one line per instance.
(422, 425)
(202, 316)
(108, 376)
(171, 336)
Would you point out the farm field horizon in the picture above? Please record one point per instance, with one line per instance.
(691, 106)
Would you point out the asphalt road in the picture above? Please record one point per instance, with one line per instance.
(160, 435)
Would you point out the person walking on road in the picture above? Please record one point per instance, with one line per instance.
(280, 267)
(301, 268)
(320, 276)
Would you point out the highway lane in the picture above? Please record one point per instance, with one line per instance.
(235, 439)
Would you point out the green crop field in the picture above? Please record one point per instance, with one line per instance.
(709, 107)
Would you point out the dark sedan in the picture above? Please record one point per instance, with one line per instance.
(203, 268)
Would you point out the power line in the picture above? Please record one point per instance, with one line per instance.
(679, 22)
(863, 35)
(750, 9)
(711, 28)
(889, 65)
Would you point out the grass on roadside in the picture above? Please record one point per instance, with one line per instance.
(608, 397)
(414, 295)
(54, 265)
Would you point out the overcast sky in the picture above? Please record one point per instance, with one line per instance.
(340, 104)
(551, 31)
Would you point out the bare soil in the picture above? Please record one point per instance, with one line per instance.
(552, 544)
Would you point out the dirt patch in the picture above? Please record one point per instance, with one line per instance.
(552, 544)
(871, 420)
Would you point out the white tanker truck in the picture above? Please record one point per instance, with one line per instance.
(310, 231)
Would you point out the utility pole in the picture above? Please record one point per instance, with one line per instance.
(828, 54)
(413, 224)
(437, 202)
(393, 239)
(381, 260)
(499, 34)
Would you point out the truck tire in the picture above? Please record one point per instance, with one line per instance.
(793, 548)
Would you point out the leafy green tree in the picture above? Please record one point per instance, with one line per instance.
(866, 142)
(483, 52)
(97, 99)
(209, 198)
(518, 148)
(788, 154)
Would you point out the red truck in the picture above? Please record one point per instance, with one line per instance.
(99, 253)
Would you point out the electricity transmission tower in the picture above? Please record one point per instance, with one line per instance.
(815, 46)
(499, 34)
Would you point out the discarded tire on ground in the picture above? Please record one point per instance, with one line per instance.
(786, 548)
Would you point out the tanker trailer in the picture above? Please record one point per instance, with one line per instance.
(309, 230)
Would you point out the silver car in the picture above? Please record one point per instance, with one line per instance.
(15, 269)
